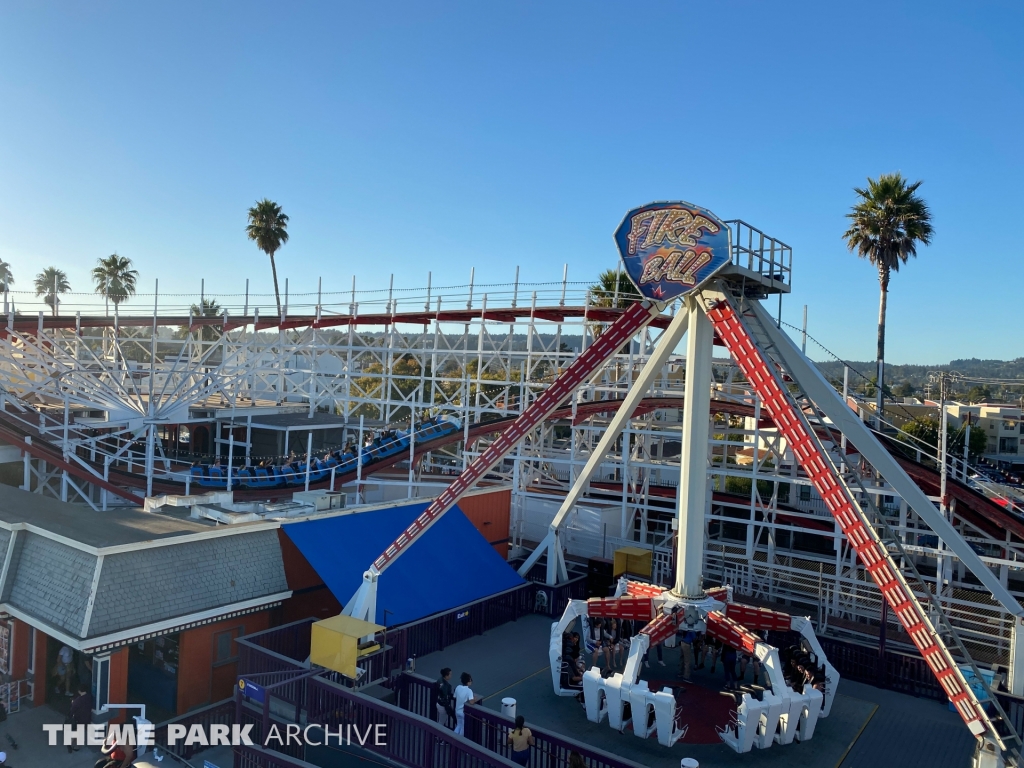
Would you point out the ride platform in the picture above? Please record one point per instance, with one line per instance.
(511, 661)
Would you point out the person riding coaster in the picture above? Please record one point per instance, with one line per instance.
(780, 715)
(293, 471)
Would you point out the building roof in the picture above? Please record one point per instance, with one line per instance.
(448, 566)
(116, 526)
(296, 421)
(98, 579)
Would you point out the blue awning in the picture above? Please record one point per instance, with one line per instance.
(449, 566)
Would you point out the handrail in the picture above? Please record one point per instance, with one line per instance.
(410, 738)
(490, 729)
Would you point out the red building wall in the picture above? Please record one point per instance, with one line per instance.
(41, 672)
(199, 681)
(119, 681)
(21, 636)
(490, 512)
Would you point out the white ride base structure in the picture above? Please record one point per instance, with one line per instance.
(780, 716)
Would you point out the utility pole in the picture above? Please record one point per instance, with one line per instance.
(967, 444)
(943, 471)
(803, 335)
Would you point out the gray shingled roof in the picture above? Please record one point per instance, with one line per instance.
(50, 580)
(150, 585)
(153, 569)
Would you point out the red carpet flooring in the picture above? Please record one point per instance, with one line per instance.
(705, 709)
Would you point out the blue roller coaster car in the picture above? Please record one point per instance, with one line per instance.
(342, 461)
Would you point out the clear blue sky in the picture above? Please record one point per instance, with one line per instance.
(412, 136)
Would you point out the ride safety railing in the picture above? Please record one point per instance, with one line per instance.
(902, 672)
(490, 730)
(285, 649)
(219, 713)
(259, 757)
(398, 735)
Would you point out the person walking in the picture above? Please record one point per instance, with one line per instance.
(463, 695)
(444, 702)
(521, 739)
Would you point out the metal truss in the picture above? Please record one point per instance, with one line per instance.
(102, 395)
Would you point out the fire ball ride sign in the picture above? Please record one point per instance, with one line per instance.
(670, 248)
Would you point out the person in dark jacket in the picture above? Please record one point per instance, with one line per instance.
(444, 701)
(81, 711)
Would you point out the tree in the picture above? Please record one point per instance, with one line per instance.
(50, 283)
(906, 389)
(927, 431)
(604, 291)
(6, 278)
(886, 226)
(268, 227)
(115, 278)
(210, 308)
(979, 394)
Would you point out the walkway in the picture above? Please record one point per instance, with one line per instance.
(868, 727)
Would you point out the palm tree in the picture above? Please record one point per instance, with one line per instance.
(887, 223)
(50, 283)
(605, 291)
(6, 278)
(210, 308)
(268, 226)
(115, 278)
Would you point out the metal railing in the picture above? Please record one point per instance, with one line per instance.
(218, 713)
(258, 757)
(285, 649)
(490, 730)
(404, 737)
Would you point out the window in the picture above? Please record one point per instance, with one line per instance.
(225, 649)
(805, 493)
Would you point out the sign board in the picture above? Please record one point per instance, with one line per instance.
(252, 691)
(670, 248)
(461, 615)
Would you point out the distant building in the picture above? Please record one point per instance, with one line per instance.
(1003, 425)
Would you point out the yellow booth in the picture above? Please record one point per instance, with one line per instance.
(632, 560)
(335, 643)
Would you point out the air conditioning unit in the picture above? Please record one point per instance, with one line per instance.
(322, 501)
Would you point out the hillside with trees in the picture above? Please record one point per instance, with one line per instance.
(913, 380)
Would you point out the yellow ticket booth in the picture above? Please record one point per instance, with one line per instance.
(634, 561)
(336, 643)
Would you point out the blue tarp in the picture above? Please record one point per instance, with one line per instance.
(450, 565)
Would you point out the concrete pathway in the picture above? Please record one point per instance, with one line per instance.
(26, 727)
(868, 727)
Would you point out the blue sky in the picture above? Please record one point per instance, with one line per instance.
(402, 137)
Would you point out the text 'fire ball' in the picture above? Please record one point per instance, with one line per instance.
(669, 248)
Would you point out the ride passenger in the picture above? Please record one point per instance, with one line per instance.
(596, 639)
(611, 639)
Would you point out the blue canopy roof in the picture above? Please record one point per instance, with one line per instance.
(450, 565)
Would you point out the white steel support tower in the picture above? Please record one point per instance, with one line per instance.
(693, 478)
